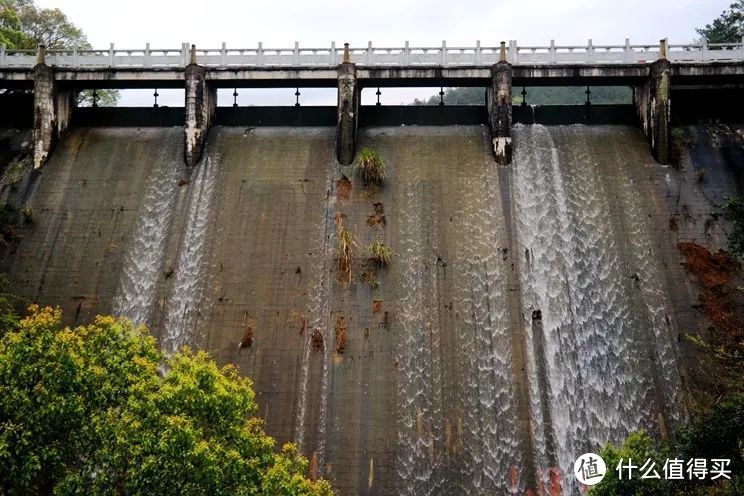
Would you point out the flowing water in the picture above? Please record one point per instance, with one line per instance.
(419, 405)
(191, 273)
(591, 380)
(318, 318)
(143, 264)
(492, 442)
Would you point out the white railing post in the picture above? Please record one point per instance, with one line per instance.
(183, 54)
(2, 56)
(406, 54)
(75, 57)
(477, 52)
(589, 51)
(443, 54)
(223, 55)
(259, 54)
(148, 55)
(111, 55)
(513, 54)
(332, 58)
(369, 53)
(704, 49)
(553, 57)
(297, 53)
(626, 52)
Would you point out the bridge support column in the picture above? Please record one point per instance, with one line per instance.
(52, 110)
(201, 100)
(348, 110)
(654, 106)
(500, 109)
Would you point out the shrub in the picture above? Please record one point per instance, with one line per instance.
(371, 166)
(733, 209)
(98, 410)
(380, 254)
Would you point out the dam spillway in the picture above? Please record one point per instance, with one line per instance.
(530, 312)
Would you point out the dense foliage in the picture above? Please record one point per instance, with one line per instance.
(726, 28)
(23, 25)
(97, 410)
(733, 209)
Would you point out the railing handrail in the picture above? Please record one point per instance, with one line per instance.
(407, 55)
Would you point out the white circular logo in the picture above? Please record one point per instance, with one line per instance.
(589, 469)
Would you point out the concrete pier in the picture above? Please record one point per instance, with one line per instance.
(201, 100)
(500, 108)
(52, 110)
(654, 106)
(348, 110)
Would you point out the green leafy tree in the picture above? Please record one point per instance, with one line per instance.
(638, 447)
(97, 410)
(11, 33)
(719, 433)
(23, 25)
(726, 28)
(733, 209)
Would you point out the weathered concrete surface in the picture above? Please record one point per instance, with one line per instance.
(500, 111)
(85, 202)
(201, 101)
(52, 111)
(432, 391)
(653, 104)
(348, 113)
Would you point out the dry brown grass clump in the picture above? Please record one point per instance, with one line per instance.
(316, 340)
(371, 166)
(248, 324)
(377, 218)
(376, 306)
(341, 334)
(345, 255)
(343, 188)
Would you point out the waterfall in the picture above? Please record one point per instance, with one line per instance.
(192, 270)
(590, 380)
(318, 318)
(484, 456)
(492, 443)
(143, 262)
(416, 350)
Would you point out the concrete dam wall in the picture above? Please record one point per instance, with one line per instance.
(530, 313)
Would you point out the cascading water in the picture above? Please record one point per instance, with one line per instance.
(590, 381)
(492, 442)
(144, 259)
(192, 269)
(318, 318)
(464, 441)
(420, 423)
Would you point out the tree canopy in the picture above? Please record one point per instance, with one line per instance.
(23, 25)
(726, 28)
(98, 410)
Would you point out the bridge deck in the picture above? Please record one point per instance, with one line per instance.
(530, 75)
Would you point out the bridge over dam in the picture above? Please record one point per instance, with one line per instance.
(654, 71)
